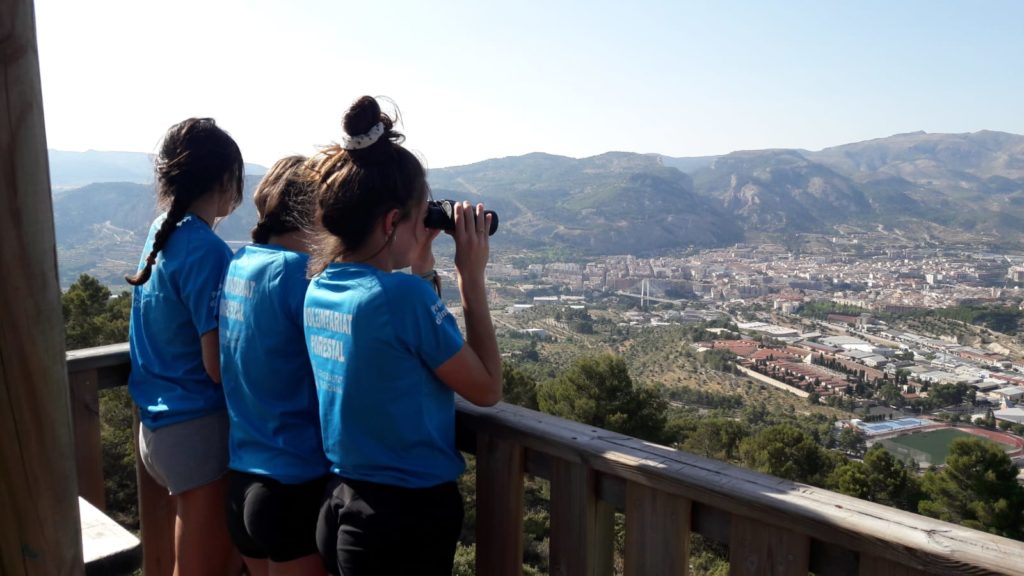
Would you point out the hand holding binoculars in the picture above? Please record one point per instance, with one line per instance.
(441, 216)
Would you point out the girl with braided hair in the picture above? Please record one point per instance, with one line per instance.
(175, 376)
(278, 468)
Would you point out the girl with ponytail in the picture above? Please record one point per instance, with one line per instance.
(278, 468)
(175, 376)
(388, 357)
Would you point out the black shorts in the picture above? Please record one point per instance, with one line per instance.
(269, 519)
(367, 528)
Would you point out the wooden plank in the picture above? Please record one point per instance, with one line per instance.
(111, 364)
(874, 566)
(716, 525)
(604, 538)
(499, 507)
(156, 518)
(112, 376)
(85, 414)
(829, 559)
(108, 548)
(612, 490)
(538, 464)
(711, 523)
(657, 532)
(609, 495)
(112, 355)
(857, 525)
(573, 548)
(758, 549)
(38, 493)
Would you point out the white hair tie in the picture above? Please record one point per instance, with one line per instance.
(363, 140)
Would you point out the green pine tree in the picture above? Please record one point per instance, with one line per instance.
(977, 488)
(599, 391)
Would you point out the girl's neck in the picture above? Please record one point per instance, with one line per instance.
(207, 207)
(372, 255)
(296, 241)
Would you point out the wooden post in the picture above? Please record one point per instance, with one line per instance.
(85, 414)
(575, 548)
(499, 506)
(604, 539)
(657, 532)
(156, 517)
(871, 565)
(39, 526)
(758, 548)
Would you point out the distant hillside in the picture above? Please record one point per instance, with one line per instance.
(921, 157)
(102, 227)
(614, 203)
(688, 165)
(930, 187)
(781, 191)
(972, 182)
(927, 186)
(76, 169)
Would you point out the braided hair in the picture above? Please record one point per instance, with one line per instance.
(196, 158)
(354, 188)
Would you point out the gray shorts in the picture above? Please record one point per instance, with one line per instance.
(186, 455)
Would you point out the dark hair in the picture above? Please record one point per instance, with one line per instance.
(284, 200)
(195, 158)
(355, 188)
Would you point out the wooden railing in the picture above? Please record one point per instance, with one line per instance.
(771, 526)
(89, 371)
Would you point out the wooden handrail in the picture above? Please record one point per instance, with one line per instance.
(112, 356)
(111, 364)
(772, 526)
(827, 520)
(89, 371)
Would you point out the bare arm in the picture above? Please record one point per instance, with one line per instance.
(211, 354)
(475, 371)
(466, 375)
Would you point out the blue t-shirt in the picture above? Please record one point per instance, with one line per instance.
(375, 339)
(170, 313)
(268, 381)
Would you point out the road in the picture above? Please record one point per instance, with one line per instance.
(652, 298)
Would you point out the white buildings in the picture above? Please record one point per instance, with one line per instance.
(771, 330)
(1010, 413)
(1011, 393)
(849, 343)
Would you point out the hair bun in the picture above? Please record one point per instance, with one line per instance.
(363, 115)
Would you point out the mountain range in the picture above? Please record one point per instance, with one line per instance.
(924, 187)
(76, 169)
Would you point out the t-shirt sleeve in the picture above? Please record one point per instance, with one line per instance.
(202, 279)
(424, 322)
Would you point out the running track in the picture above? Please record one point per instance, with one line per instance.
(994, 435)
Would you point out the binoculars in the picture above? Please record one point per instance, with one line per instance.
(441, 216)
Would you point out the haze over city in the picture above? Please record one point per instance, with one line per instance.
(481, 81)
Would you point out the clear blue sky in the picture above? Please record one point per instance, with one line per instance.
(477, 80)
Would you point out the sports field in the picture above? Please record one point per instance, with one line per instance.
(926, 447)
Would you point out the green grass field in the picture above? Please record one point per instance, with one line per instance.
(932, 447)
